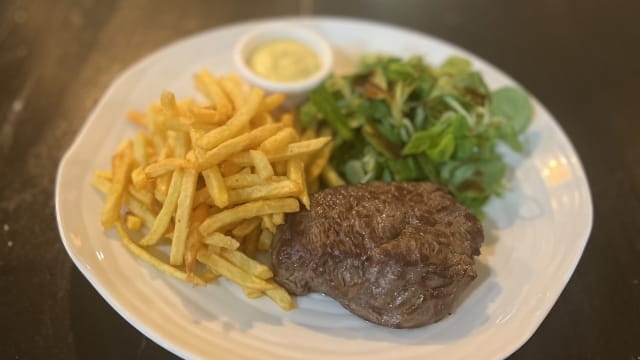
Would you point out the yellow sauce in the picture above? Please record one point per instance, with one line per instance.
(284, 61)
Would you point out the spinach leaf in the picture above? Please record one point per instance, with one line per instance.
(325, 104)
(398, 119)
(514, 106)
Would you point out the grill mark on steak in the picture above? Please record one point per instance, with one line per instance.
(396, 254)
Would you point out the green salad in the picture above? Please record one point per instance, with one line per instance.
(404, 120)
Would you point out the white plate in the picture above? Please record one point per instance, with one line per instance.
(535, 237)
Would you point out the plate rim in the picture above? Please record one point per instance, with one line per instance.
(147, 58)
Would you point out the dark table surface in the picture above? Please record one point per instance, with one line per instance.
(581, 59)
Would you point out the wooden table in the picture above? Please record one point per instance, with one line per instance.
(580, 59)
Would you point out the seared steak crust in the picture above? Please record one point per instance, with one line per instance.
(396, 254)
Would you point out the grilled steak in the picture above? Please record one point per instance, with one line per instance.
(396, 254)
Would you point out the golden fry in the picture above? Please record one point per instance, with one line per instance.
(104, 174)
(194, 238)
(261, 164)
(208, 116)
(133, 222)
(295, 172)
(222, 241)
(278, 218)
(137, 118)
(234, 126)
(246, 227)
(241, 180)
(184, 105)
(209, 276)
(194, 135)
(228, 168)
(266, 237)
(162, 187)
(215, 186)
(121, 162)
(153, 261)
(179, 141)
(247, 211)
(143, 195)
(280, 296)
(214, 183)
(279, 141)
(210, 88)
(271, 102)
(168, 208)
(135, 207)
(166, 115)
(202, 197)
(252, 293)
(232, 272)
(247, 264)
(183, 213)
(261, 119)
(140, 148)
(267, 223)
(169, 105)
(287, 119)
(319, 162)
(306, 147)
(232, 87)
(331, 177)
(250, 243)
(272, 190)
(300, 148)
(164, 166)
(140, 210)
(233, 146)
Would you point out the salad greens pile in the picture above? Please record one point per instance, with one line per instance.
(403, 120)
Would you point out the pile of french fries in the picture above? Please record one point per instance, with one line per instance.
(212, 179)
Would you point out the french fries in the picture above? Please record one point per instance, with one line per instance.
(233, 146)
(121, 166)
(133, 222)
(166, 213)
(264, 242)
(246, 227)
(262, 165)
(210, 88)
(280, 296)
(331, 177)
(233, 272)
(215, 186)
(297, 149)
(222, 241)
(240, 180)
(235, 125)
(194, 238)
(155, 262)
(214, 180)
(183, 212)
(247, 211)
(164, 166)
(270, 190)
(242, 261)
(278, 142)
(295, 172)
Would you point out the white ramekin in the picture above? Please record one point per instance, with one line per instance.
(279, 31)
